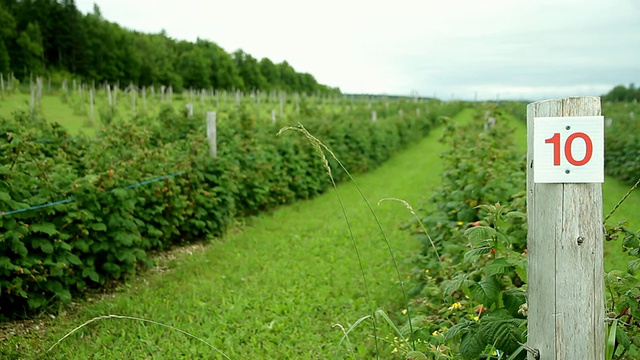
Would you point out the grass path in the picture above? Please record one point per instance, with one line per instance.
(272, 290)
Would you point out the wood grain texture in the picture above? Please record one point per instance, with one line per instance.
(565, 243)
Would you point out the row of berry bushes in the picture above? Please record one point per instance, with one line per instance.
(622, 141)
(149, 184)
(470, 278)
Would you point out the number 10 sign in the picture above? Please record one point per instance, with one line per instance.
(568, 149)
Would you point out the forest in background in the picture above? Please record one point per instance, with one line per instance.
(53, 38)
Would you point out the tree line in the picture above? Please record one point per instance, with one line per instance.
(52, 37)
(623, 93)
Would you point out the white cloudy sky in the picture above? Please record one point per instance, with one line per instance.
(519, 49)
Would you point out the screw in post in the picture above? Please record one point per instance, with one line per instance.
(580, 240)
(567, 171)
(568, 127)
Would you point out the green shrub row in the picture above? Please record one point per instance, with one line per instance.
(622, 141)
(468, 293)
(113, 214)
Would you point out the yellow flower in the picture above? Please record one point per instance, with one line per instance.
(456, 305)
(404, 312)
(460, 223)
(426, 271)
(435, 333)
(476, 318)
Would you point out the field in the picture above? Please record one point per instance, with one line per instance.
(284, 283)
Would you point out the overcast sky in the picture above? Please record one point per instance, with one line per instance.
(517, 49)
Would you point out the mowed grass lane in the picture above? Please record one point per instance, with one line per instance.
(272, 289)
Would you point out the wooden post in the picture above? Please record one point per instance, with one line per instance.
(374, 116)
(32, 98)
(133, 100)
(211, 133)
(115, 95)
(189, 110)
(273, 117)
(109, 100)
(91, 96)
(565, 247)
(144, 99)
(281, 104)
(39, 84)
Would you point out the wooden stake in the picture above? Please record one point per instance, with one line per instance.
(565, 247)
(91, 99)
(211, 133)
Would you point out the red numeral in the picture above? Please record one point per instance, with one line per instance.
(555, 140)
(568, 145)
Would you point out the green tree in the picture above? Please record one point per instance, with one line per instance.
(7, 34)
(249, 71)
(288, 77)
(195, 68)
(224, 73)
(30, 41)
(271, 73)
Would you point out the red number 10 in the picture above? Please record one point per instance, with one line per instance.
(555, 140)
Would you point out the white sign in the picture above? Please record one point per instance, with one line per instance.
(568, 149)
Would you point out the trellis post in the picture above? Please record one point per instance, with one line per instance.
(211, 133)
(565, 236)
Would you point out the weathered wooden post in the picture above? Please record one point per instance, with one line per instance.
(565, 239)
(91, 100)
(211, 133)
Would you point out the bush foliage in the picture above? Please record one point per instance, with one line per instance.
(149, 184)
(622, 141)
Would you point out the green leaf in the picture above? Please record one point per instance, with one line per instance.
(504, 334)
(630, 241)
(474, 254)
(73, 259)
(98, 227)
(486, 291)
(633, 266)
(516, 215)
(460, 281)
(498, 267)
(124, 238)
(611, 340)
(461, 329)
(623, 339)
(471, 346)
(91, 274)
(47, 247)
(121, 194)
(512, 299)
(46, 228)
(479, 235)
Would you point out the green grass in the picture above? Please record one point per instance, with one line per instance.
(53, 109)
(612, 191)
(272, 289)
